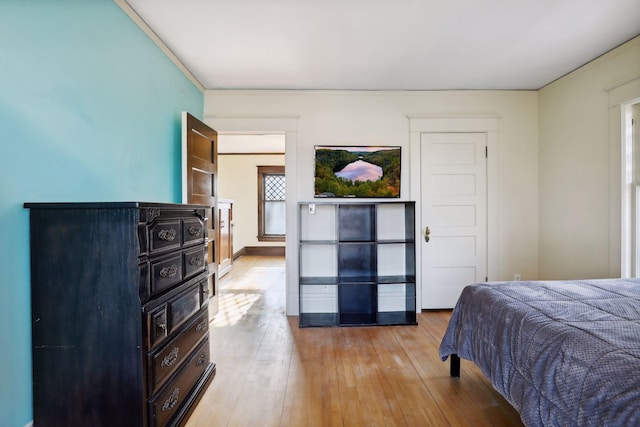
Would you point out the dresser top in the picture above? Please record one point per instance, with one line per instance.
(110, 205)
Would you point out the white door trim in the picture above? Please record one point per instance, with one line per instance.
(482, 124)
(620, 98)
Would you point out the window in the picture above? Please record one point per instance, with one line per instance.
(631, 192)
(271, 203)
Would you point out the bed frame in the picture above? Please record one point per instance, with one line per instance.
(454, 365)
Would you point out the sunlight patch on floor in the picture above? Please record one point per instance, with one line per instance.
(233, 306)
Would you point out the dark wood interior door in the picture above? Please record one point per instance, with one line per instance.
(200, 163)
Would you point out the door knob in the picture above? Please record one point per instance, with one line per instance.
(427, 234)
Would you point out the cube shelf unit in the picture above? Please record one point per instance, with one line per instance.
(357, 263)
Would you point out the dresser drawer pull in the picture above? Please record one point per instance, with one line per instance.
(170, 271)
(195, 230)
(202, 326)
(196, 261)
(171, 358)
(167, 235)
(171, 400)
(162, 327)
(202, 359)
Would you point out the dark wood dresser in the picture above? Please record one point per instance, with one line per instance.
(119, 312)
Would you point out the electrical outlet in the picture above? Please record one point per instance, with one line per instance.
(517, 277)
(312, 209)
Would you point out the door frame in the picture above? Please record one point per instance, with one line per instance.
(457, 124)
(621, 97)
(287, 126)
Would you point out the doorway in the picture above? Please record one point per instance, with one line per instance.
(287, 127)
(242, 160)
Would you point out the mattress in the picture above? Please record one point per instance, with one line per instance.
(563, 353)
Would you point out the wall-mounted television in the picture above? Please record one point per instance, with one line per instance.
(357, 171)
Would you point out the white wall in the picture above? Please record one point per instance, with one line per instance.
(381, 118)
(579, 167)
(238, 180)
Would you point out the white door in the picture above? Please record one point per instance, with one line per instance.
(453, 215)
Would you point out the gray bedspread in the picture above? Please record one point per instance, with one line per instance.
(563, 353)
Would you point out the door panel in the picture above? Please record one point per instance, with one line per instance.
(453, 251)
(454, 216)
(199, 175)
(203, 183)
(201, 150)
(454, 208)
(445, 184)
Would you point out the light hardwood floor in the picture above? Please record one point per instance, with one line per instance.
(271, 373)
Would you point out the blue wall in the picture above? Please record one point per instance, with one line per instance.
(89, 111)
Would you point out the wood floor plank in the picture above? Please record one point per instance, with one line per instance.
(312, 388)
(272, 373)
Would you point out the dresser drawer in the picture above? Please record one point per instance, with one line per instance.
(164, 318)
(166, 272)
(158, 275)
(193, 231)
(165, 405)
(194, 260)
(165, 235)
(167, 359)
(170, 232)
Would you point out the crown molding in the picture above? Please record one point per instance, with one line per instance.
(154, 37)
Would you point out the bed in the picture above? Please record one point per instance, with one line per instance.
(562, 353)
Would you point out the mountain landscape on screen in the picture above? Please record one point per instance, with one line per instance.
(357, 171)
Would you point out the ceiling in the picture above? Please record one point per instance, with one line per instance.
(387, 44)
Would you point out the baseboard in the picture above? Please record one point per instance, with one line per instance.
(238, 254)
(29, 424)
(260, 251)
